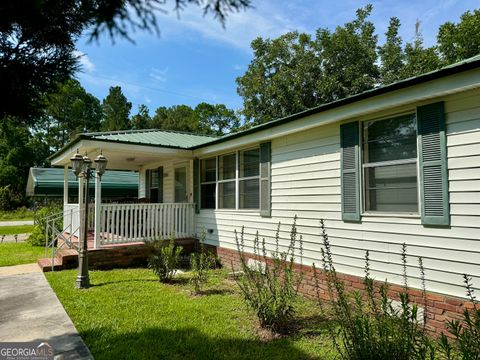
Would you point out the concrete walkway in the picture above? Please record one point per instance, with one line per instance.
(16, 223)
(30, 311)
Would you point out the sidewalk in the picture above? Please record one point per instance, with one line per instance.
(16, 223)
(30, 311)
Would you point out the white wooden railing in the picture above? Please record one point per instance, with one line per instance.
(122, 223)
(71, 217)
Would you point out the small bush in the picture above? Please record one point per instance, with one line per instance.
(368, 326)
(9, 199)
(37, 237)
(270, 287)
(201, 262)
(165, 259)
(466, 334)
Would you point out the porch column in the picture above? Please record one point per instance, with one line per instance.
(98, 209)
(65, 184)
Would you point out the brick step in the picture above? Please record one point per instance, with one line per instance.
(45, 264)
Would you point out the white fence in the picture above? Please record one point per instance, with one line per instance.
(71, 215)
(121, 223)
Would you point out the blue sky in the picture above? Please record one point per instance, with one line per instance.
(194, 59)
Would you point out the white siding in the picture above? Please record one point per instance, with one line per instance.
(169, 176)
(306, 183)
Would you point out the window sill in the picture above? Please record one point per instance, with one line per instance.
(392, 214)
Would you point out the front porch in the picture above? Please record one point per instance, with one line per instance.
(164, 207)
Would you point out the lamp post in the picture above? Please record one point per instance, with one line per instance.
(81, 167)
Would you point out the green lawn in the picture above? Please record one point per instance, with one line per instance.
(20, 253)
(19, 214)
(20, 229)
(128, 314)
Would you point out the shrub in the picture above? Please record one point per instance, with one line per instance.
(37, 237)
(9, 199)
(270, 287)
(466, 334)
(368, 326)
(165, 259)
(201, 262)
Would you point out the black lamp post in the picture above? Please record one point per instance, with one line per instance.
(81, 167)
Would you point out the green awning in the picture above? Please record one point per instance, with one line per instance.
(49, 182)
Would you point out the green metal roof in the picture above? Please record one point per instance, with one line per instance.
(49, 182)
(152, 137)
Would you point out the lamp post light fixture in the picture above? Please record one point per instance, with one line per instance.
(81, 167)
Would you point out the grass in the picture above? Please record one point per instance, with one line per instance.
(129, 314)
(18, 229)
(18, 214)
(20, 253)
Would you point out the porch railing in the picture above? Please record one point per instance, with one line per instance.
(121, 223)
(71, 217)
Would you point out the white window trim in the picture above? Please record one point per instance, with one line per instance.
(237, 180)
(364, 212)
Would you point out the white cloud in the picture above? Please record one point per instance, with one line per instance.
(238, 67)
(266, 19)
(85, 62)
(159, 74)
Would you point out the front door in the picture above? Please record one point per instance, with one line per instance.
(181, 184)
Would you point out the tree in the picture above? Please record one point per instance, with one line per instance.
(281, 79)
(176, 118)
(69, 111)
(116, 110)
(142, 119)
(460, 41)
(37, 40)
(216, 119)
(418, 59)
(391, 54)
(348, 58)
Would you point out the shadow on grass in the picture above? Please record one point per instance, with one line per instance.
(185, 343)
(208, 292)
(93, 284)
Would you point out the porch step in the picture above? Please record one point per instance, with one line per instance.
(45, 264)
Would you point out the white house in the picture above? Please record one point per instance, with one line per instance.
(397, 164)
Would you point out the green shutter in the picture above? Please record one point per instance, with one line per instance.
(196, 184)
(160, 184)
(350, 173)
(265, 193)
(147, 184)
(433, 164)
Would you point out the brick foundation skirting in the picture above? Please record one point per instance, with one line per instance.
(440, 307)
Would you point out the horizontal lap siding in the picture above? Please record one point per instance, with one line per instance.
(306, 182)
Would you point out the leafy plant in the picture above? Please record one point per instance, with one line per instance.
(9, 199)
(371, 326)
(270, 284)
(466, 334)
(40, 218)
(164, 259)
(201, 262)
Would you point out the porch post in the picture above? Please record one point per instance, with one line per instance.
(65, 184)
(98, 208)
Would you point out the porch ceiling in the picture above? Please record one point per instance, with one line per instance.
(121, 156)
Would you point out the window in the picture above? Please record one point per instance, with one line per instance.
(155, 185)
(208, 183)
(231, 189)
(249, 179)
(181, 184)
(227, 181)
(390, 165)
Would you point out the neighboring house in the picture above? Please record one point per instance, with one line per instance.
(397, 164)
(49, 183)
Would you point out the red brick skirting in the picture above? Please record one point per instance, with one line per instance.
(439, 307)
